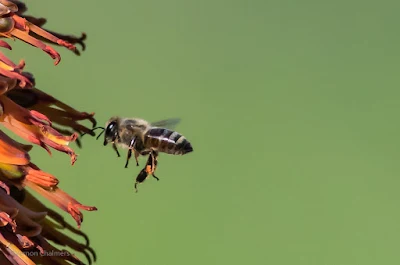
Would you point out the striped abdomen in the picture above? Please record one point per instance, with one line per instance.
(167, 141)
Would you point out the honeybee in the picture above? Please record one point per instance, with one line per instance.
(144, 138)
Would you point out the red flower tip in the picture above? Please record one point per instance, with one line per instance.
(26, 243)
(5, 187)
(64, 201)
(43, 179)
(73, 210)
(5, 45)
(5, 219)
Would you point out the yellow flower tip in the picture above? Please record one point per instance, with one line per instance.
(11, 70)
(23, 81)
(56, 137)
(11, 171)
(6, 66)
(12, 67)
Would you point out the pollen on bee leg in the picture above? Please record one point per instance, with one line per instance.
(148, 169)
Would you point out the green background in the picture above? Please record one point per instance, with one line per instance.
(292, 110)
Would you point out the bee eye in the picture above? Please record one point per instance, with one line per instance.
(111, 129)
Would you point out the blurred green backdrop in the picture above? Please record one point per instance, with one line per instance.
(292, 109)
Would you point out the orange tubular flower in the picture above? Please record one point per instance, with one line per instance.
(41, 21)
(9, 69)
(16, 168)
(13, 25)
(58, 112)
(25, 225)
(34, 127)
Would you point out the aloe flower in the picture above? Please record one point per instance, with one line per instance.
(27, 227)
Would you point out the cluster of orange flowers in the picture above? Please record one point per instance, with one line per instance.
(27, 227)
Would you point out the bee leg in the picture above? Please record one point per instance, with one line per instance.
(153, 160)
(141, 177)
(128, 157)
(132, 146)
(136, 158)
(116, 149)
(151, 165)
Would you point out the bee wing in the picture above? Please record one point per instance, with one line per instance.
(167, 123)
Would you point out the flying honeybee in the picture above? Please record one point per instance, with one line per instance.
(144, 138)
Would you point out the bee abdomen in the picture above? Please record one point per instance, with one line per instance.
(167, 141)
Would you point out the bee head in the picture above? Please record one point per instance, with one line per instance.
(111, 132)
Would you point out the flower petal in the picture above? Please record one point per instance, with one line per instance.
(23, 81)
(63, 200)
(33, 128)
(12, 152)
(21, 31)
(27, 220)
(5, 187)
(57, 111)
(5, 219)
(43, 179)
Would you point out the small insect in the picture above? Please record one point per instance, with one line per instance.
(144, 138)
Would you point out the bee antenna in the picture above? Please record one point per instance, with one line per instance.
(92, 130)
(98, 136)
